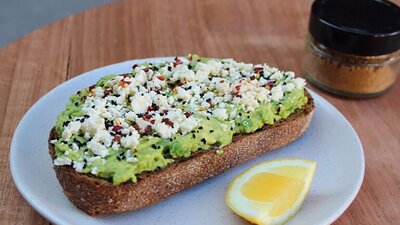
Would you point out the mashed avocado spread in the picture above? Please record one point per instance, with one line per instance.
(160, 112)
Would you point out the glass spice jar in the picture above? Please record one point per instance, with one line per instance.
(352, 47)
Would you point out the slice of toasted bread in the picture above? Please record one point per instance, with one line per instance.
(99, 196)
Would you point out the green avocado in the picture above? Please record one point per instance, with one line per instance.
(154, 153)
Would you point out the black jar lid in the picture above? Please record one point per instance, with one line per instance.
(360, 27)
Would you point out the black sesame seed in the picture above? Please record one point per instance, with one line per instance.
(193, 131)
(200, 128)
(248, 117)
(76, 103)
(154, 146)
(231, 128)
(203, 140)
(82, 120)
(86, 116)
(193, 135)
(240, 114)
(211, 131)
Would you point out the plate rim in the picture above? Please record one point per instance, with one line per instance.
(45, 212)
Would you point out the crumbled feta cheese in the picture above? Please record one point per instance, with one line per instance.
(72, 128)
(183, 94)
(61, 161)
(140, 78)
(75, 147)
(115, 146)
(276, 93)
(78, 166)
(140, 103)
(300, 83)
(97, 148)
(188, 124)
(104, 137)
(164, 130)
(94, 170)
(220, 114)
(288, 87)
(131, 141)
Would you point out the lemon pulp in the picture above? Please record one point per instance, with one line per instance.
(280, 190)
(271, 192)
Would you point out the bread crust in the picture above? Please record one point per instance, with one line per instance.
(97, 196)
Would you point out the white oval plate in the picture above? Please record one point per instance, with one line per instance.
(330, 140)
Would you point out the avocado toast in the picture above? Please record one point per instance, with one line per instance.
(134, 139)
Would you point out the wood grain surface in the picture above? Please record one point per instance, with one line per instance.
(255, 31)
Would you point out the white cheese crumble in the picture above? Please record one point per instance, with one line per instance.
(140, 103)
(61, 161)
(97, 148)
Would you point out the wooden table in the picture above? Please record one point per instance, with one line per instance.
(256, 31)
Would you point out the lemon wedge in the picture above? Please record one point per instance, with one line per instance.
(272, 192)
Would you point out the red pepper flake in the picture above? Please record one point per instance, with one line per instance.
(92, 87)
(147, 116)
(117, 128)
(237, 87)
(134, 66)
(117, 138)
(152, 121)
(161, 77)
(252, 77)
(146, 69)
(168, 122)
(107, 93)
(165, 111)
(210, 102)
(137, 127)
(187, 114)
(177, 62)
(148, 130)
(125, 75)
(258, 69)
(222, 81)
